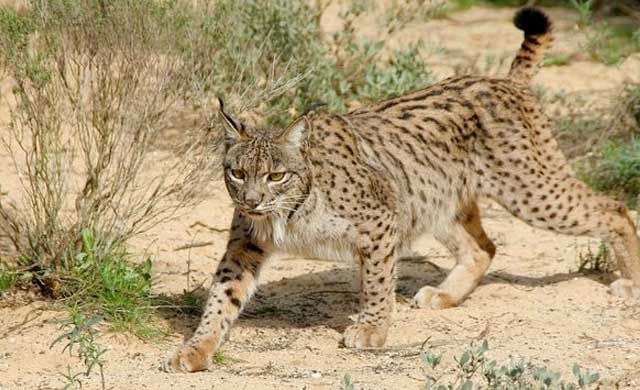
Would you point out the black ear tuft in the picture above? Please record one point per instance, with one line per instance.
(532, 21)
(235, 128)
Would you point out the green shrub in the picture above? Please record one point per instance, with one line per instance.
(337, 72)
(100, 279)
(615, 169)
(605, 42)
(8, 278)
(602, 140)
(15, 28)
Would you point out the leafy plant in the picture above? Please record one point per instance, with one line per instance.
(474, 370)
(16, 29)
(601, 261)
(347, 383)
(471, 360)
(605, 42)
(8, 278)
(585, 377)
(81, 333)
(191, 303)
(584, 9)
(101, 280)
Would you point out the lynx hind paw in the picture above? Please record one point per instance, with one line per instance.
(433, 298)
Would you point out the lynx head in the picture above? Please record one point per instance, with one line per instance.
(265, 170)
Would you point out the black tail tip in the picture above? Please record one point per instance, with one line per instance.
(532, 21)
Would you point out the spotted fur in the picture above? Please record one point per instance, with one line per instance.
(364, 185)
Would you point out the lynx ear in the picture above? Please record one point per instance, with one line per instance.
(297, 133)
(234, 128)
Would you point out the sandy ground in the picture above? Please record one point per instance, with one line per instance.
(531, 304)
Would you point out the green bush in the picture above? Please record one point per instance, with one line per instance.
(8, 278)
(337, 71)
(605, 42)
(101, 280)
(615, 169)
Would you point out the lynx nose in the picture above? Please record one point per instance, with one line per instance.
(252, 200)
(252, 203)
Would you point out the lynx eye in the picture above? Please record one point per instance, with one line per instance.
(277, 177)
(237, 174)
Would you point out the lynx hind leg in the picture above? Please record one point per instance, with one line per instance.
(473, 250)
(470, 219)
(564, 204)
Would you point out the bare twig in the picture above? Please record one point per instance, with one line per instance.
(210, 228)
(193, 245)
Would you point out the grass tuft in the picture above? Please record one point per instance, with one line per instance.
(100, 279)
(8, 278)
(601, 261)
(222, 359)
(557, 60)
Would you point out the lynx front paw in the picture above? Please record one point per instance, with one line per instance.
(624, 288)
(364, 336)
(433, 298)
(187, 359)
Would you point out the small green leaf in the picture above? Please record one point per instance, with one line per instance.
(464, 359)
(576, 370)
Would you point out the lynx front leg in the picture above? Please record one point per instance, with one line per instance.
(234, 283)
(377, 256)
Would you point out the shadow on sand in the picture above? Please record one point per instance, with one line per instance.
(329, 298)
